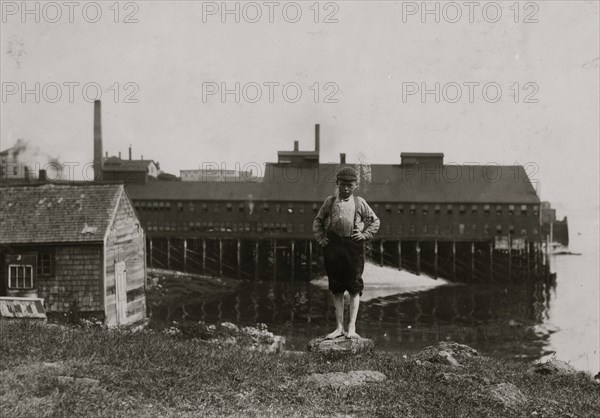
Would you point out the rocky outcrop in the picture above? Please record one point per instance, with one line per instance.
(341, 346)
(340, 379)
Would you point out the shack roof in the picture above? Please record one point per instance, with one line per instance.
(387, 183)
(52, 213)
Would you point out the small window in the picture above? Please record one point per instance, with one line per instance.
(215, 207)
(486, 209)
(229, 207)
(290, 209)
(278, 208)
(498, 228)
(523, 232)
(45, 264)
(474, 210)
(498, 209)
(536, 210)
(462, 209)
(413, 209)
(315, 207)
(486, 229)
(425, 210)
(290, 227)
(204, 208)
(301, 209)
(167, 205)
(511, 229)
(300, 227)
(449, 209)
(265, 207)
(461, 229)
(192, 207)
(180, 206)
(437, 209)
(241, 208)
(388, 208)
(425, 229)
(523, 209)
(20, 276)
(401, 209)
(511, 209)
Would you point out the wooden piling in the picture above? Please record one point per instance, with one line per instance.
(310, 258)
(239, 258)
(509, 256)
(151, 254)
(454, 260)
(418, 247)
(169, 253)
(381, 253)
(274, 247)
(220, 257)
(491, 260)
(293, 255)
(399, 254)
(435, 259)
(472, 259)
(185, 254)
(203, 255)
(256, 259)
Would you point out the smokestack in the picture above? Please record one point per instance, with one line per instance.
(343, 158)
(129, 152)
(295, 145)
(317, 137)
(141, 157)
(119, 155)
(106, 155)
(42, 175)
(97, 141)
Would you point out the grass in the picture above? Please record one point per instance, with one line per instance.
(156, 374)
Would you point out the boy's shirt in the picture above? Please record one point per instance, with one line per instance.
(366, 221)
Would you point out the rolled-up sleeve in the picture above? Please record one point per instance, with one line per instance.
(370, 219)
(318, 227)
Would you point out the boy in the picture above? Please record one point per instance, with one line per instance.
(341, 227)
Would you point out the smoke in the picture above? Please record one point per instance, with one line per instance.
(29, 159)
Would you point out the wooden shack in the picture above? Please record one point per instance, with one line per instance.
(79, 246)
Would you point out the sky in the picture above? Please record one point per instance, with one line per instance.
(503, 83)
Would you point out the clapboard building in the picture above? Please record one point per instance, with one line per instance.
(80, 247)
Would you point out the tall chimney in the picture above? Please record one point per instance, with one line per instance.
(129, 152)
(42, 175)
(119, 155)
(295, 145)
(97, 141)
(317, 137)
(343, 158)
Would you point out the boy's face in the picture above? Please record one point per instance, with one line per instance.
(346, 188)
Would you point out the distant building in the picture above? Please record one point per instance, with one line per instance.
(129, 171)
(80, 247)
(557, 231)
(11, 168)
(216, 175)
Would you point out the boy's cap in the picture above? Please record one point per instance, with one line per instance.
(347, 174)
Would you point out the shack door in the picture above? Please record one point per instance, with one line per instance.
(121, 292)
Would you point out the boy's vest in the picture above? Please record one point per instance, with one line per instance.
(329, 208)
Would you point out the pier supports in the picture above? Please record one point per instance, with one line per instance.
(399, 255)
(169, 253)
(381, 253)
(454, 259)
(310, 258)
(184, 254)
(220, 257)
(435, 259)
(418, 248)
(203, 256)
(256, 260)
(472, 260)
(151, 254)
(293, 256)
(239, 258)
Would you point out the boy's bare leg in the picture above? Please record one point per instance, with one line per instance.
(338, 303)
(354, 302)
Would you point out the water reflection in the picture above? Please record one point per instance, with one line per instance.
(499, 319)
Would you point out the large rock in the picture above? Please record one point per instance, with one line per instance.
(448, 353)
(341, 345)
(506, 394)
(552, 367)
(341, 379)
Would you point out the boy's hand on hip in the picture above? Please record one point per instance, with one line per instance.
(358, 236)
(323, 242)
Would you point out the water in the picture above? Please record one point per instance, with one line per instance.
(404, 313)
